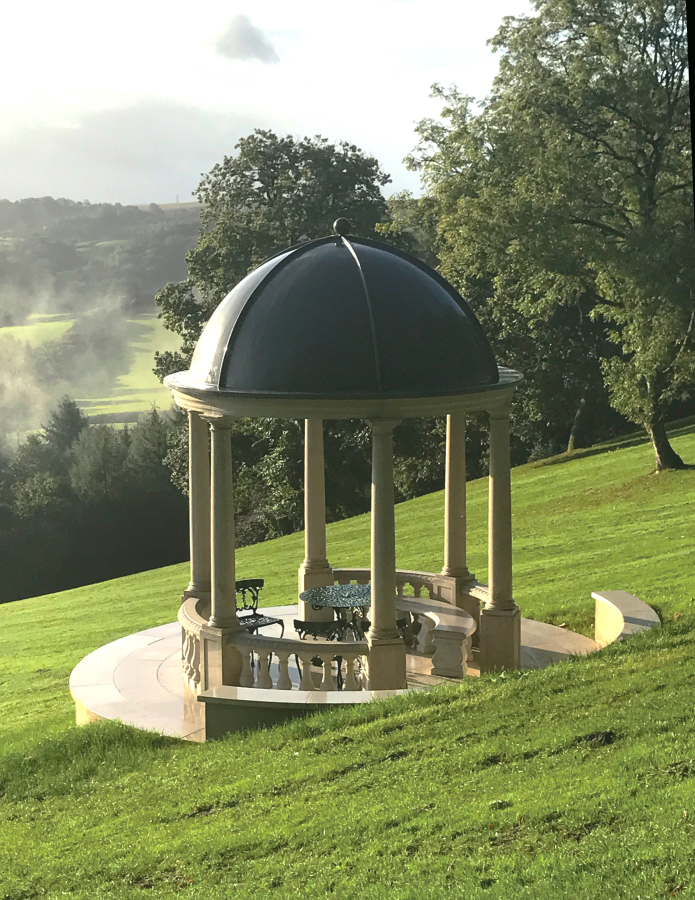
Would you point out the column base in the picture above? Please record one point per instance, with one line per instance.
(386, 664)
(311, 577)
(200, 593)
(500, 639)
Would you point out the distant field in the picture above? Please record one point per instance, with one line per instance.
(137, 389)
(40, 328)
(133, 392)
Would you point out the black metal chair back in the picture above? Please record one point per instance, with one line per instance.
(250, 590)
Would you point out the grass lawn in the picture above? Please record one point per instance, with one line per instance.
(577, 781)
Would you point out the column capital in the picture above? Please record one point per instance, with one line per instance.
(218, 423)
(383, 426)
(499, 415)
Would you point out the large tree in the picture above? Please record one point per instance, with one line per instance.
(570, 194)
(275, 192)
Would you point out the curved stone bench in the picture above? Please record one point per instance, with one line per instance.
(620, 615)
(449, 635)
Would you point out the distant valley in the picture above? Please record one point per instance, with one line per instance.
(77, 311)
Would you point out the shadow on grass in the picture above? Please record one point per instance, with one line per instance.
(676, 429)
(57, 766)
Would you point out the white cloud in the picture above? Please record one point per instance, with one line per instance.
(148, 152)
(242, 40)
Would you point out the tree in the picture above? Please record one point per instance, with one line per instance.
(274, 193)
(65, 424)
(572, 189)
(148, 447)
(42, 495)
(98, 472)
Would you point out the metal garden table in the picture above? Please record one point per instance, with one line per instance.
(347, 600)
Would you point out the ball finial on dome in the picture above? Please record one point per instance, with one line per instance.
(342, 226)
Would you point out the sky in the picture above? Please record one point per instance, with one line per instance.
(132, 102)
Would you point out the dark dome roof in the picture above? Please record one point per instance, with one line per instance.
(343, 318)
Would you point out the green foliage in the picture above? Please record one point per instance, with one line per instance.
(146, 451)
(99, 466)
(80, 503)
(65, 424)
(569, 197)
(40, 495)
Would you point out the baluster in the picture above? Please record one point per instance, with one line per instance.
(196, 661)
(186, 655)
(466, 648)
(246, 678)
(417, 590)
(342, 579)
(350, 683)
(327, 680)
(264, 678)
(428, 647)
(284, 680)
(307, 682)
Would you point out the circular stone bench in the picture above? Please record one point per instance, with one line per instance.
(619, 615)
(448, 634)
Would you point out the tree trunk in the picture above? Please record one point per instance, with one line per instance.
(666, 456)
(577, 417)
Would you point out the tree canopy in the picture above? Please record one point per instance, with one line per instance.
(568, 198)
(275, 192)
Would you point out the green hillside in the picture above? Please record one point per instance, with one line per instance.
(570, 782)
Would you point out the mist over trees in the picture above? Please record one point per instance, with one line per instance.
(59, 256)
(92, 265)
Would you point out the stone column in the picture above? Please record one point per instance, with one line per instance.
(315, 571)
(455, 497)
(220, 661)
(198, 506)
(386, 666)
(454, 583)
(500, 620)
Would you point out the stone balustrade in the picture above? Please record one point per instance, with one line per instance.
(445, 634)
(193, 616)
(340, 667)
(447, 631)
(419, 581)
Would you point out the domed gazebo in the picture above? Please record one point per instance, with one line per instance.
(339, 328)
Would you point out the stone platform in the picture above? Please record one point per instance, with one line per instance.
(138, 679)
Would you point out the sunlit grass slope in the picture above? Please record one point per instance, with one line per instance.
(571, 782)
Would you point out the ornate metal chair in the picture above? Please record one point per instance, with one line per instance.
(248, 595)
